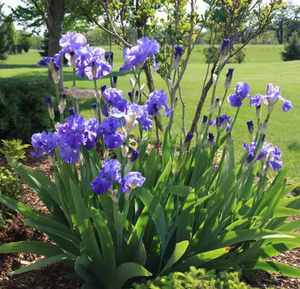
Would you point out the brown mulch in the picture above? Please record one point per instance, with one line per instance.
(49, 277)
(54, 276)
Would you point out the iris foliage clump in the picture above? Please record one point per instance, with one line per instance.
(123, 206)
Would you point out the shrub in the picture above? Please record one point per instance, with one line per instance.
(13, 148)
(195, 279)
(10, 187)
(292, 49)
(23, 109)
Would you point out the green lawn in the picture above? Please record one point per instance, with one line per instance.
(262, 65)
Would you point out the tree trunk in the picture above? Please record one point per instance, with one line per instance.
(55, 16)
(200, 104)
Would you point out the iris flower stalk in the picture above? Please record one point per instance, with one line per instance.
(204, 137)
(219, 114)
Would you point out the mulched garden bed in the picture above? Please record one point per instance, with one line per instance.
(54, 276)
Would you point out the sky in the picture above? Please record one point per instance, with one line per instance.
(14, 3)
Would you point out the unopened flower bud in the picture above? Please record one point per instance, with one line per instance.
(62, 103)
(134, 155)
(71, 111)
(109, 57)
(215, 77)
(204, 119)
(178, 54)
(97, 95)
(250, 126)
(143, 88)
(103, 87)
(132, 82)
(115, 80)
(215, 105)
(210, 138)
(188, 137)
(124, 149)
(73, 62)
(130, 96)
(228, 78)
(262, 128)
(74, 92)
(258, 114)
(225, 47)
(229, 140)
(49, 104)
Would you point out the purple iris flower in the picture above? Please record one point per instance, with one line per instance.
(109, 125)
(268, 152)
(138, 54)
(133, 114)
(112, 95)
(145, 121)
(204, 119)
(47, 61)
(44, 61)
(74, 133)
(272, 96)
(57, 61)
(44, 143)
(242, 90)
(68, 154)
(71, 42)
(91, 133)
(287, 105)
(111, 169)
(158, 99)
(115, 140)
(101, 185)
(131, 181)
(223, 121)
(91, 62)
(104, 110)
(107, 175)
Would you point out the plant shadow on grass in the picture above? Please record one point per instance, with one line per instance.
(87, 104)
(17, 66)
(294, 146)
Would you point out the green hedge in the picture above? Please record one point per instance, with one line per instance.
(22, 108)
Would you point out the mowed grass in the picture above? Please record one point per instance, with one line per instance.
(262, 65)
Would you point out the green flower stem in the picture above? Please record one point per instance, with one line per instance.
(98, 102)
(234, 120)
(74, 101)
(210, 113)
(172, 92)
(218, 117)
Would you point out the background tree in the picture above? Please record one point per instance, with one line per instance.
(8, 36)
(292, 48)
(285, 22)
(25, 40)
